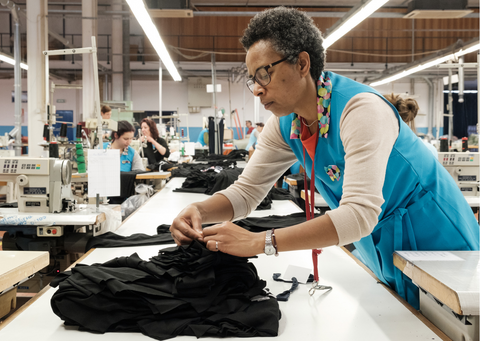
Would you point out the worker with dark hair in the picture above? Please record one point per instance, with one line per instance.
(121, 139)
(106, 112)
(249, 126)
(156, 148)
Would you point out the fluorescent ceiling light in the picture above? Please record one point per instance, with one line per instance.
(144, 19)
(428, 62)
(464, 91)
(7, 59)
(352, 19)
(468, 50)
(408, 72)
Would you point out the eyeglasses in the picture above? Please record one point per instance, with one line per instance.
(262, 77)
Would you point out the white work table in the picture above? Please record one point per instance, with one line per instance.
(85, 215)
(18, 265)
(358, 308)
(450, 283)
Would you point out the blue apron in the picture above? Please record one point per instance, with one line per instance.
(423, 209)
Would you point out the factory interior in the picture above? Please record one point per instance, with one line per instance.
(187, 169)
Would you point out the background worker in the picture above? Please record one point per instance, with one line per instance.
(156, 149)
(121, 139)
(408, 109)
(106, 112)
(252, 142)
(249, 126)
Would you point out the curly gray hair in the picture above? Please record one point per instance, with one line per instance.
(289, 32)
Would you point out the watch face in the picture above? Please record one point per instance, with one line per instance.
(269, 250)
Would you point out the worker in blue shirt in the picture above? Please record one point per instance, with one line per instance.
(254, 137)
(386, 190)
(121, 139)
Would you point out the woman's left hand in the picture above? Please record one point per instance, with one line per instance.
(233, 239)
(150, 139)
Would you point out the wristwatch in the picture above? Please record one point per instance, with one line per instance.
(270, 246)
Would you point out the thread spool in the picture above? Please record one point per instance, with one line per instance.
(443, 144)
(63, 130)
(464, 144)
(78, 134)
(53, 149)
(80, 158)
(46, 133)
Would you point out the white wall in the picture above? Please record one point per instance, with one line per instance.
(175, 98)
(72, 101)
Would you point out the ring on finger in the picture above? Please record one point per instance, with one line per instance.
(216, 246)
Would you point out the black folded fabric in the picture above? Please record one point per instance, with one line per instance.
(212, 179)
(236, 154)
(182, 291)
(258, 224)
(111, 239)
(184, 169)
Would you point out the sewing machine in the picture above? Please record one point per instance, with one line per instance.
(464, 168)
(47, 217)
(43, 183)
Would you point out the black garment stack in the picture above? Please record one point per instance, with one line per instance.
(182, 291)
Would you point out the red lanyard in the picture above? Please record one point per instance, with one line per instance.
(310, 210)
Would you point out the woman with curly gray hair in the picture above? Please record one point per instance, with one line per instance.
(385, 189)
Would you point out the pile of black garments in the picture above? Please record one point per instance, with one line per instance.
(236, 154)
(182, 291)
(209, 180)
(216, 178)
(184, 169)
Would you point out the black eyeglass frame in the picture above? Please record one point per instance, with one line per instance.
(251, 80)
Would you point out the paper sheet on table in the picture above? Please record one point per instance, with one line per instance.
(300, 273)
(189, 148)
(103, 172)
(429, 256)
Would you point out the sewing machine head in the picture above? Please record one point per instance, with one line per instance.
(464, 168)
(40, 181)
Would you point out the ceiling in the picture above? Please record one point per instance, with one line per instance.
(382, 36)
(302, 3)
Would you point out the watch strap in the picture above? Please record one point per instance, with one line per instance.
(274, 242)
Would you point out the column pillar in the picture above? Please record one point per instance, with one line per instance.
(37, 42)
(117, 50)
(89, 29)
(127, 91)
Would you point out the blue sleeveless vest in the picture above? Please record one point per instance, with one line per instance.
(423, 209)
(126, 158)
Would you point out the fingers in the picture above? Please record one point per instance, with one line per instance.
(196, 222)
(213, 245)
(183, 233)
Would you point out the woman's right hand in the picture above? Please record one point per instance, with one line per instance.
(187, 226)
